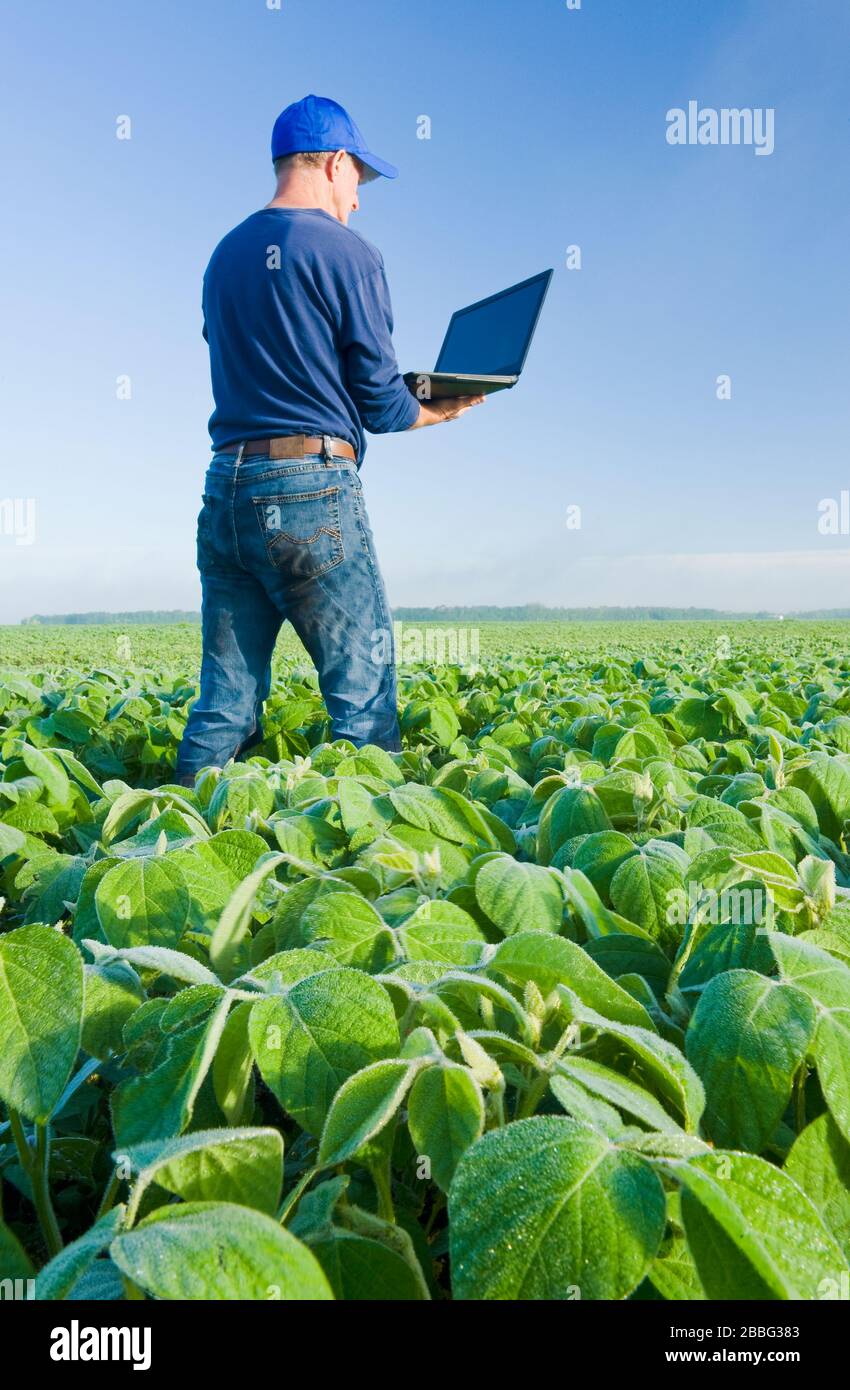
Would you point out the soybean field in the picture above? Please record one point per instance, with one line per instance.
(552, 1005)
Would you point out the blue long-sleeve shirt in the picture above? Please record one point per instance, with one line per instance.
(299, 323)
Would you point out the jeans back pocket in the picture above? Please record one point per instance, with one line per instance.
(302, 532)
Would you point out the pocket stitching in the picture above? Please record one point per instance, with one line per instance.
(297, 496)
(334, 532)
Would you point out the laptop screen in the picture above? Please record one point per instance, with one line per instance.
(491, 338)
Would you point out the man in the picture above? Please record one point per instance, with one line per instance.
(298, 319)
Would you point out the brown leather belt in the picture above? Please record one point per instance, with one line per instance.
(295, 446)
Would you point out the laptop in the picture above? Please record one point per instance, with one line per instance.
(486, 344)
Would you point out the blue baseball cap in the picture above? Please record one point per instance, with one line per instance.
(317, 123)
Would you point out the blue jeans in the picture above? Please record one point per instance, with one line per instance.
(288, 539)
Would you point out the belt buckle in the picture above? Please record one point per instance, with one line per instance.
(327, 449)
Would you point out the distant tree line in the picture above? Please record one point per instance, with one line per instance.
(539, 612)
(171, 615)
(482, 613)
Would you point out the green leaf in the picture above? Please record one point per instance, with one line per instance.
(600, 856)
(726, 946)
(553, 960)
(315, 1211)
(767, 865)
(287, 968)
(359, 1269)
(819, 1163)
(441, 931)
(644, 890)
(12, 841)
(112, 994)
(189, 1006)
(142, 902)
(827, 983)
(236, 797)
(160, 1104)
(769, 1221)
(579, 1103)
(595, 917)
(58, 879)
(362, 1106)
(434, 717)
(696, 717)
(15, 1263)
(244, 1166)
(234, 926)
(568, 812)
(308, 1042)
(212, 870)
(215, 1250)
(347, 926)
(661, 1061)
(57, 1279)
(622, 954)
(78, 770)
(101, 1281)
(358, 807)
(547, 1208)
(284, 930)
(445, 1114)
(233, 1067)
(371, 761)
(519, 897)
(826, 782)
(159, 958)
(41, 1012)
(674, 1274)
(747, 1038)
(49, 770)
(309, 841)
(125, 808)
(443, 812)
(617, 1090)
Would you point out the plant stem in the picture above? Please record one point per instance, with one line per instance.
(41, 1192)
(532, 1096)
(383, 1186)
(437, 1206)
(800, 1098)
(20, 1138)
(109, 1195)
(497, 1107)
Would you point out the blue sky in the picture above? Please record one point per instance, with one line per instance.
(548, 129)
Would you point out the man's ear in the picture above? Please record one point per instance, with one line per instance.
(336, 162)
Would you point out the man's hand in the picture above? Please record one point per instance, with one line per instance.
(446, 408)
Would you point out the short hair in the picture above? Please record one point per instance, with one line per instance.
(309, 159)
